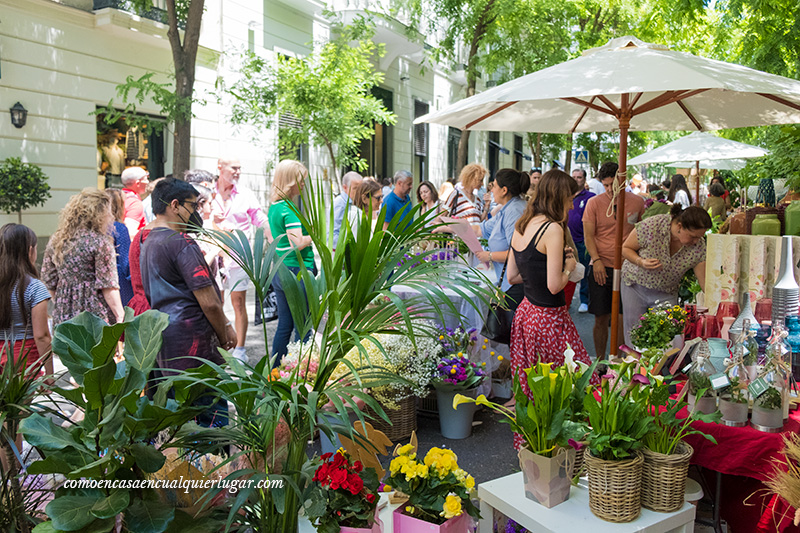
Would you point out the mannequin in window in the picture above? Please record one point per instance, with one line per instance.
(114, 156)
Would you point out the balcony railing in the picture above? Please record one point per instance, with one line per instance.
(157, 13)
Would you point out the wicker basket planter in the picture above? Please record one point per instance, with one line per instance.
(579, 462)
(615, 487)
(664, 478)
(404, 420)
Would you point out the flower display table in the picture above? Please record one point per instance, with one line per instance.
(507, 495)
(743, 458)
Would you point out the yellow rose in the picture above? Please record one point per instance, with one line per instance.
(397, 464)
(451, 507)
(470, 483)
(422, 471)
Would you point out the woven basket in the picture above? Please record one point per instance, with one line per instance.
(428, 406)
(579, 461)
(615, 487)
(404, 420)
(664, 478)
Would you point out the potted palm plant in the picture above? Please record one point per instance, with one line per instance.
(350, 300)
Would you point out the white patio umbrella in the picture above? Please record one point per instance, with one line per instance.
(699, 146)
(629, 85)
(719, 164)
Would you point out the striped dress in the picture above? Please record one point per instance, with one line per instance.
(464, 208)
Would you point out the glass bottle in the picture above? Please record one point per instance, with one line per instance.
(700, 380)
(776, 369)
(734, 399)
(762, 338)
(750, 350)
(793, 339)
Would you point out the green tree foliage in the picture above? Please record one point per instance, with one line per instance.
(22, 186)
(183, 19)
(329, 92)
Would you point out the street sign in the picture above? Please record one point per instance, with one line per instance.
(582, 157)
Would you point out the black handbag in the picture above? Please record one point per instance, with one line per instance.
(497, 326)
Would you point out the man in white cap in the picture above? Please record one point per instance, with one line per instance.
(134, 184)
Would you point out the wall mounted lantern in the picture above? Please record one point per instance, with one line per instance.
(19, 115)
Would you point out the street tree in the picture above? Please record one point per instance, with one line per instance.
(328, 93)
(184, 18)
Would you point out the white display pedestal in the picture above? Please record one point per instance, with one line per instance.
(507, 495)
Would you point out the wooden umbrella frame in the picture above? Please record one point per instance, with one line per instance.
(624, 113)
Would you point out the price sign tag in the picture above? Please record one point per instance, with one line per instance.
(758, 387)
(686, 368)
(719, 381)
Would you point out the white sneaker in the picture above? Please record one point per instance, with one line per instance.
(583, 308)
(240, 353)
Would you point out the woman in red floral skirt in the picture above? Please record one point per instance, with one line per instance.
(542, 262)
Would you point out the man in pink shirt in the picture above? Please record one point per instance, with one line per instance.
(235, 207)
(134, 183)
(599, 233)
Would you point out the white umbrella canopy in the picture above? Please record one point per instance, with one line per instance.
(720, 164)
(628, 84)
(699, 146)
(666, 90)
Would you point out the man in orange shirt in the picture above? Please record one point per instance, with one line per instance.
(599, 233)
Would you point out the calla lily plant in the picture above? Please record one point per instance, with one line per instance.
(553, 416)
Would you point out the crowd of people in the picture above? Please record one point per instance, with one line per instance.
(547, 235)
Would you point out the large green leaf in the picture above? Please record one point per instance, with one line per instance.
(45, 527)
(106, 347)
(148, 458)
(41, 432)
(148, 516)
(73, 344)
(72, 512)
(115, 503)
(143, 339)
(98, 382)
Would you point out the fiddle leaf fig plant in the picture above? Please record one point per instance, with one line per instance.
(112, 443)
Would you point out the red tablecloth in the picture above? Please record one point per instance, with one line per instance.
(745, 457)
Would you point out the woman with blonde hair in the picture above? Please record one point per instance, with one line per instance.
(542, 262)
(292, 237)
(462, 202)
(79, 266)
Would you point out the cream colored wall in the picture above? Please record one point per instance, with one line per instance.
(60, 66)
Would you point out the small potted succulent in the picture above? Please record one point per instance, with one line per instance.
(343, 496)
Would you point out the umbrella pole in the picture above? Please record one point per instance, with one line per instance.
(624, 124)
(697, 182)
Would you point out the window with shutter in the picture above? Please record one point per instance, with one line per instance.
(420, 130)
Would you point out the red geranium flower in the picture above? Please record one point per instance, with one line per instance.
(355, 483)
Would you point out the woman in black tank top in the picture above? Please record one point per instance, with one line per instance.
(541, 262)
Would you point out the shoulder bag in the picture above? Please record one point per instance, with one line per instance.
(497, 326)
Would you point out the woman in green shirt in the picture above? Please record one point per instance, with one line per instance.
(293, 241)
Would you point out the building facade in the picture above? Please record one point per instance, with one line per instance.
(63, 59)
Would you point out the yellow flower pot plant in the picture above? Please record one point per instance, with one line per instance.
(551, 425)
(438, 491)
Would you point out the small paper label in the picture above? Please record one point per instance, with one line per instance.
(686, 368)
(758, 387)
(719, 381)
